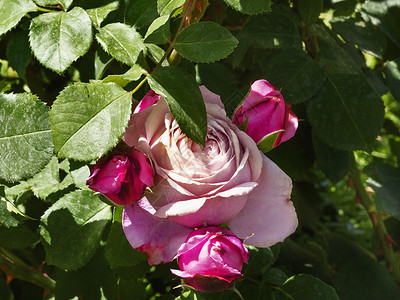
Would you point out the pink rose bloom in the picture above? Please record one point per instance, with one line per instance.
(122, 177)
(227, 181)
(211, 259)
(266, 113)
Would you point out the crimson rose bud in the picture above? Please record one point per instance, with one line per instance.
(265, 116)
(211, 259)
(122, 177)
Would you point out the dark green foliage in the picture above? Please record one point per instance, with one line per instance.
(87, 120)
(25, 139)
(347, 114)
(66, 99)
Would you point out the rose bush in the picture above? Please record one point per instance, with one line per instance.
(211, 259)
(227, 181)
(122, 176)
(264, 113)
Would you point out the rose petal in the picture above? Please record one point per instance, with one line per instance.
(262, 87)
(210, 97)
(268, 216)
(181, 208)
(290, 127)
(144, 168)
(159, 238)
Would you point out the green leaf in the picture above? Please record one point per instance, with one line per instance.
(331, 55)
(191, 295)
(296, 155)
(43, 184)
(295, 74)
(98, 14)
(19, 53)
(250, 7)
(121, 41)
(17, 237)
(184, 99)
(334, 163)
(25, 139)
(367, 37)
(306, 287)
(260, 260)
(71, 229)
(158, 31)
(156, 53)
(205, 42)
(12, 11)
(129, 287)
(392, 72)
(358, 275)
(271, 31)
(223, 81)
(87, 120)
(48, 180)
(140, 13)
(308, 209)
(385, 180)
(80, 175)
(347, 114)
(119, 252)
(94, 281)
(122, 80)
(101, 61)
(59, 38)
(166, 7)
(64, 3)
(310, 10)
(376, 80)
(267, 143)
(7, 218)
(344, 8)
(385, 15)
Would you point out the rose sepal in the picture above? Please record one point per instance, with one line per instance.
(243, 126)
(107, 200)
(267, 142)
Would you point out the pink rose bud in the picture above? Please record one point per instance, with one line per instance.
(211, 259)
(148, 100)
(265, 116)
(122, 176)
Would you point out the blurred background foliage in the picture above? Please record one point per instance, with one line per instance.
(336, 61)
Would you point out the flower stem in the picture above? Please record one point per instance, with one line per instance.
(139, 85)
(237, 292)
(54, 9)
(376, 219)
(186, 11)
(15, 267)
(187, 8)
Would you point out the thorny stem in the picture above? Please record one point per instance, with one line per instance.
(186, 11)
(376, 218)
(15, 267)
(187, 8)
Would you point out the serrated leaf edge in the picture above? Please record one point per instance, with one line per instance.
(61, 155)
(60, 72)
